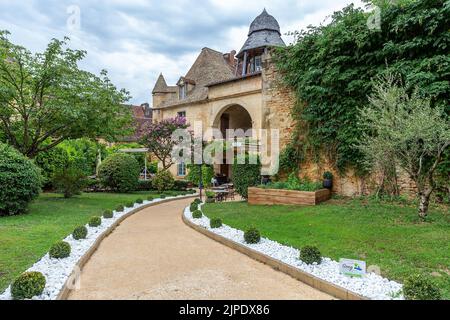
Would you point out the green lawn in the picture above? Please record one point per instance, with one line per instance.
(25, 239)
(383, 234)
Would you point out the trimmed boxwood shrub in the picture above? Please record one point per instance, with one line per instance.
(252, 236)
(245, 176)
(60, 250)
(130, 205)
(310, 255)
(28, 285)
(197, 214)
(80, 233)
(163, 181)
(108, 214)
(210, 200)
(139, 201)
(197, 201)
(215, 223)
(95, 222)
(420, 287)
(120, 209)
(20, 181)
(150, 198)
(162, 196)
(120, 172)
(193, 207)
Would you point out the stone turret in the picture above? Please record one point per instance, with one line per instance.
(162, 92)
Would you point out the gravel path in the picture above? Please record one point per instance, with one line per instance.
(154, 255)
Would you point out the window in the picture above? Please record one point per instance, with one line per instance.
(258, 63)
(183, 91)
(182, 114)
(182, 169)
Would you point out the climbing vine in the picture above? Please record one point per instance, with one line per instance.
(331, 68)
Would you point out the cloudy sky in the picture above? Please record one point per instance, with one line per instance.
(135, 40)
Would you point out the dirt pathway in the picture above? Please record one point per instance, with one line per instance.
(154, 255)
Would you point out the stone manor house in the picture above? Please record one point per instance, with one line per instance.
(239, 91)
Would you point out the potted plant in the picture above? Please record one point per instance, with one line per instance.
(328, 180)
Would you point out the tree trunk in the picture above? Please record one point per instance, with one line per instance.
(424, 202)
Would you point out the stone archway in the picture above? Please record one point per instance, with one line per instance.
(234, 117)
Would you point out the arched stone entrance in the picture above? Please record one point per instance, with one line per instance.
(232, 117)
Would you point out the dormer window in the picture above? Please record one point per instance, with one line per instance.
(184, 85)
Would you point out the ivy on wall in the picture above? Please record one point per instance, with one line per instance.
(331, 68)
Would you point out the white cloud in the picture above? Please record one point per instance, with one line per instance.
(135, 40)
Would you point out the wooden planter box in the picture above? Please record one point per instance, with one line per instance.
(260, 196)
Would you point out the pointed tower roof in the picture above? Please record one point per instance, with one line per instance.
(161, 85)
(264, 32)
(264, 22)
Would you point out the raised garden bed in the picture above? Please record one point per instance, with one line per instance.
(261, 196)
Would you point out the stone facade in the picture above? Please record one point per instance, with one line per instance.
(220, 88)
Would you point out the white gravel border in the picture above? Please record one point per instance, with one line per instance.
(372, 286)
(57, 271)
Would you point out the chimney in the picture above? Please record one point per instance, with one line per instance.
(230, 58)
(147, 110)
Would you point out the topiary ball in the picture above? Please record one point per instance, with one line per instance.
(150, 199)
(162, 196)
(95, 222)
(252, 236)
(108, 214)
(215, 223)
(310, 255)
(210, 200)
(197, 214)
(193, 207)
(60, 250)
(20, 181)
(120, 209)
(130, 205)
(28, 285)
(139, 201)
(80, 233)
(197, 201)
(420, 287)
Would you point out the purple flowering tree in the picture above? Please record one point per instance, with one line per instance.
(157, 137)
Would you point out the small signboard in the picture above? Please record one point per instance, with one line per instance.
(352, 268)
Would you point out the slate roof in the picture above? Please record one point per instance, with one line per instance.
(264, 32)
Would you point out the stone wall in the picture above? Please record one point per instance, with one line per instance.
(278, 101)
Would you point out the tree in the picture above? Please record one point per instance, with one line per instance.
(407, 130)
(157, 137)
(46, 99)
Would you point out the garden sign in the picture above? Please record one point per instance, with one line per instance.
(352, 268)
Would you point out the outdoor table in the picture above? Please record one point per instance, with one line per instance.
(220, 194)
